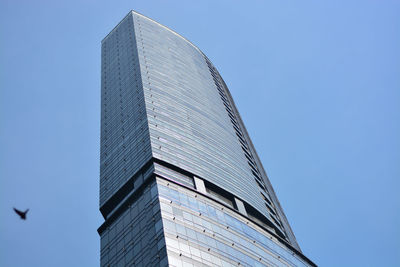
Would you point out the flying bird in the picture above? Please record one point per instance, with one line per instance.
(21, 214)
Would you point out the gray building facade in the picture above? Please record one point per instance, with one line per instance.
(180, 181)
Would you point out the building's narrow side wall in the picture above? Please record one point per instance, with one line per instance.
(125, 142)
(136, 238)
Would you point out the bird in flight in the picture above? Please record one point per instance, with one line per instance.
(21, 214)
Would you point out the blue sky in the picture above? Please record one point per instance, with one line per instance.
(317, 84)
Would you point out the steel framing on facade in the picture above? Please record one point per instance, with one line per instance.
(180, 181)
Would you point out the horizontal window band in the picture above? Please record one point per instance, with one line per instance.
(118, 203)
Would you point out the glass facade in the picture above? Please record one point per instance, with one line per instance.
(136, 237)
(199, 231)
(180, 181)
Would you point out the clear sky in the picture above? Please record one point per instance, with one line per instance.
(317, 84)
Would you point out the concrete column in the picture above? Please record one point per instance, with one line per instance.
(200, 185)
(240, 206)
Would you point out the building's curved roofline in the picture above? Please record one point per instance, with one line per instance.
(165, 27)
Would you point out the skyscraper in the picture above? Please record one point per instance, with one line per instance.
(180, 181)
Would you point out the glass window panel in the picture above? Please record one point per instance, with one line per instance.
(181, 230)
(171, 242)
(165, 207)
(169, 226)
(174, 195)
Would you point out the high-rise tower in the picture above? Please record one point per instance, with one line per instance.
(180, 181)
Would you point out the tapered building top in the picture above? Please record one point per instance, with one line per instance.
(167, 114)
